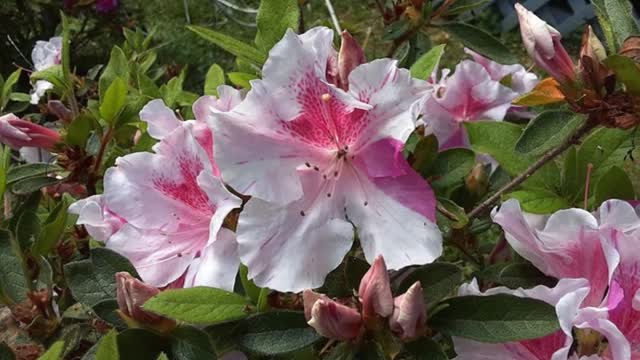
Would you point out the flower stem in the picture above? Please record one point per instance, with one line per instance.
(546, 157)
(93, 175)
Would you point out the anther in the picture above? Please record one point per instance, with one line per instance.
(326, 97)
(302, 213)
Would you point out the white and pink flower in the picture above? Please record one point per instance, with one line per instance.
(164, 210)
(318, 159)
(44, 55)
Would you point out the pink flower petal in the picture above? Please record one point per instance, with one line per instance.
(160, 119)
(99, 221)
(217, 265)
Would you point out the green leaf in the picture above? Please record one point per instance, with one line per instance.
(450, 167)
(118, 67)
(424, 349)
(438, 280)
(25, 171)
(27, 229)
(605, 25)
(19, 97)
(428, 62)
(199, 305)
(54, 353)
(232, 45)
(462, 6)
(498, 139)
(620, 14)
(343, 280)
(32, 184)
(108, 347)
(627, 72)
(241, 79)
(7, 88)
(52, 229)
(495, 318)
(614, 184)
(52, 74)
(523, 275)
(214, 78)
(79, 130)
(66, 42)
(273, 19)
(107, 310)
(189, 343)
(455, 215)
(163, 356)
(548, 130)
(6, 353)
(12, 278)
(113, 100)
(481, 42)
(276, 333)
(425, 153)
(139, 344)
(539, 201)
(5, 163)
(93, 280)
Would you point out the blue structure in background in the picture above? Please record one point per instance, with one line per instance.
(564, 15)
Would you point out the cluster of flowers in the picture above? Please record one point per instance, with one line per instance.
(316, 148)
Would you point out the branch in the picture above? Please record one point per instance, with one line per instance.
(546, 157)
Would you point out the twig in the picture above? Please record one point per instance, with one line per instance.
(366, 38)
(548, 156)
(93, 175)
(444, 7)
(237, 8)
(186, 11)
(334, 18)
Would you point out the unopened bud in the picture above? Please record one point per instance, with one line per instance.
(17, 133)
(131, 294)
(375, 291)
(334, 320)
(350, 56)
(409, 313)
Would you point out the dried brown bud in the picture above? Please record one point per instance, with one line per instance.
(592, 53)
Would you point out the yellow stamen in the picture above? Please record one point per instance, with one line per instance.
(326, 97)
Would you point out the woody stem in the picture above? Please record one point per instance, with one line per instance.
(546, 157)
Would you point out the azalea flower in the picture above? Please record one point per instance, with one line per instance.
(44, 55)
(567, 244)
(542, 42)
(317, 159)
(164, 210)
(470, 94)
(567, 297)
(519, 79)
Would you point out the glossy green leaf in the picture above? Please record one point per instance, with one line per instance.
(52, 74)
(199, 305)
(214, 78)
(540, 201)
(139, 344)
(27, 229)
(79, 130)
(424, 349)
(118, 67)
(25, 171)
(108, 347)
(113, 100)
(55, 352)
(620, 13)
(189, 343)
(427, 63)
(495, 318)
(614, 184)
(52, 229)
(276, 333)
(12, 279)
(548, 130)
(7, 87)
(241, 79)
(627, 71)
(438, 280)
(450, 167)
(232, 45)
(481, 42)
(273, 19)
(32, 184)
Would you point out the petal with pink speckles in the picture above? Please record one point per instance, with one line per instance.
(160, 191)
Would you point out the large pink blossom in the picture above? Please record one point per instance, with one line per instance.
(44, 55)
(599, 246)
(164, 210)
(317, 159)
(568, 299)
(472, 93)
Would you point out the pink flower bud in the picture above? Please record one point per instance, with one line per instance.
(17, 133)
(542, 42)
(131, 295)
(375, 291)
(350, 56)
(330, 318)
(409, 313)
(57, 108)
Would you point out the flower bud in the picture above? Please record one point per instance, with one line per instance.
(350, 56)
(409, 313)
(17, 133)
(542, 42)
(334, 320)
(57, 108)
(131, 295)
(592, 53)
(375, 291)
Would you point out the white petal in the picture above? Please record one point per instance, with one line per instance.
(160, 119)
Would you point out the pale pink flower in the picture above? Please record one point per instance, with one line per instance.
(542, 42)
(409, 313)
(19, 133)
(44, 55)
(317, 159)
(375, 291)
(330, 318)
(470, 94)
(168, 206)
(567, 297)
(521, 80)
(567, 244)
